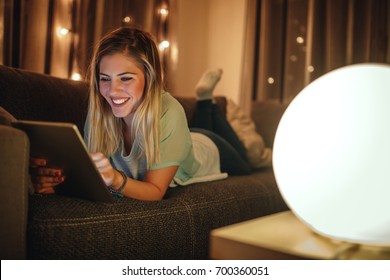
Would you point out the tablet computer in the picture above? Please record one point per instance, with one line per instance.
(63, 146)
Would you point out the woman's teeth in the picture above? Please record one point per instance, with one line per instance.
(119, 101)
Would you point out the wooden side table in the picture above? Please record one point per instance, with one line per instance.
(284, 236)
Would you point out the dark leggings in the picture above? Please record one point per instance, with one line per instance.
(211, 122)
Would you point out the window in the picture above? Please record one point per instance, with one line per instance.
(299, 40)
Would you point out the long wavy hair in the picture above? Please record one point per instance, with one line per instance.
(105, 130)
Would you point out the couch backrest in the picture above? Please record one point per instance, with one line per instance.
(266, 116)
(33, 96)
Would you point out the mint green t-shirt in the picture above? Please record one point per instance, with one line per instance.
(175, 140)
(175, 145)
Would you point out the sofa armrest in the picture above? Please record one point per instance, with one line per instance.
(14, 184)
(266, 116)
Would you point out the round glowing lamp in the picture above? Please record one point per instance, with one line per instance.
(331, 154)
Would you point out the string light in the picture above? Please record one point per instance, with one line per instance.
(163, 45)
(127, 19)
(300, 40)
(76, 76)
(62, 31)
(271, 80)
(163, 11)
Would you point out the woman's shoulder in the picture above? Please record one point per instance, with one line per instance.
(170, 103)
(172, 111)
(169, 99)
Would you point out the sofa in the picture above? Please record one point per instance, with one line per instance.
(55, 226)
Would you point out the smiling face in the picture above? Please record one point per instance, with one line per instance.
(121, 83)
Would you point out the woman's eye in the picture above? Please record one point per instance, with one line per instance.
(104, 79)
(125, 79)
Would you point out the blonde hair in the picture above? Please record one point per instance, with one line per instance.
(105, 132)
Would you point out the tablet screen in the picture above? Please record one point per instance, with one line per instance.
(62, 145)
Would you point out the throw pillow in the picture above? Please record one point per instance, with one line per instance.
(258, 154)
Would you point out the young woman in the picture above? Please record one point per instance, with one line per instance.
(137, 133)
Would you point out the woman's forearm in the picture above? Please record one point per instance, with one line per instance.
(153, 187)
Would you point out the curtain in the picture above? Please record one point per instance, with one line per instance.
(57, 37)
(297, 41)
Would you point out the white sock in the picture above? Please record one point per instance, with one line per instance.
(208, 81)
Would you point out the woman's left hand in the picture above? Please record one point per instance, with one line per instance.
(44, 178)
(105, 168)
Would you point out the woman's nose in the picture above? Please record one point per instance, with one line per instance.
(115, 86)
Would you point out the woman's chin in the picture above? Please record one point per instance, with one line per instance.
(119, 113)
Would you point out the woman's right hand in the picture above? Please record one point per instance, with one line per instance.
(44, 178)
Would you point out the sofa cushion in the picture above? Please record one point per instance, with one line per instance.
(177, 227)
